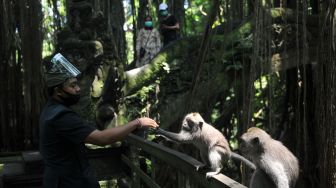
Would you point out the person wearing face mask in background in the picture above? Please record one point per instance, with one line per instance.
(148, 43)
(169, 26)
(63, 133)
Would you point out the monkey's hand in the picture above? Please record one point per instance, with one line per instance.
(159, 133)
(153, 130)
(166, 138)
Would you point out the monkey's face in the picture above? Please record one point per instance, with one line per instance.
(105, 113)
(250, 144)
(191, 124)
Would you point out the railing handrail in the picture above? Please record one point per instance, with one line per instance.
(182, 162)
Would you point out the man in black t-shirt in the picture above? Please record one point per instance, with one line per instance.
(169, 26)
(63, 133)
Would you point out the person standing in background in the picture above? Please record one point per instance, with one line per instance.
(148, 43)
(169, 26)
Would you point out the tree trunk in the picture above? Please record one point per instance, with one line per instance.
(326, 98)
(113, 12)
(11, 96)
(135, 33)
(315, 6)
(237, 10)
(276, 3)
(21, 74)
(142, 13)
(31, 17)
(291, 4)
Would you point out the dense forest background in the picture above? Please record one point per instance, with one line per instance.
(240, 63)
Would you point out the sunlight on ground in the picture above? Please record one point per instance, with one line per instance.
(108, 183)
(114, 145)
(1, 167)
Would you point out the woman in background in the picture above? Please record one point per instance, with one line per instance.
(148, 43)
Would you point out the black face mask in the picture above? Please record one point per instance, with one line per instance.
(71, 99)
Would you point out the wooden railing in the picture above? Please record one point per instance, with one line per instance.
(185, 165)
(120, 161)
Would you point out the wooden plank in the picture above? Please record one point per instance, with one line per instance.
(139, 172)
(230, 182)
(10, 159)
(182, 162)
(106, 162)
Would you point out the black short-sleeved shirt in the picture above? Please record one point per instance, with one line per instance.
(62, 135)
(169, 34)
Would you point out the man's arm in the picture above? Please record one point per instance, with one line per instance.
(174, 27)
(111, 135)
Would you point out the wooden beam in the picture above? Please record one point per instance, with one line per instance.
(140, 173)
(183, 163)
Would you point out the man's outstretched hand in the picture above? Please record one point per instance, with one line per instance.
(145, 122)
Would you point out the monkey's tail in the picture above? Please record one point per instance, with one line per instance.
(238, 157)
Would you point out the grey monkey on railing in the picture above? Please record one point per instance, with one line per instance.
(277, 167)
(214, 148)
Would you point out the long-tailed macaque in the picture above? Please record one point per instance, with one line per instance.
(105, 114)
(277, 167)
(214, 148)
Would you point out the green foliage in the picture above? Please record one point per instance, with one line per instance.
(196, 17)
(129, 47)
(278, 12)
(144, 93)
(136, 105)
(149, 165)
(49, 26)
(268, 100)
